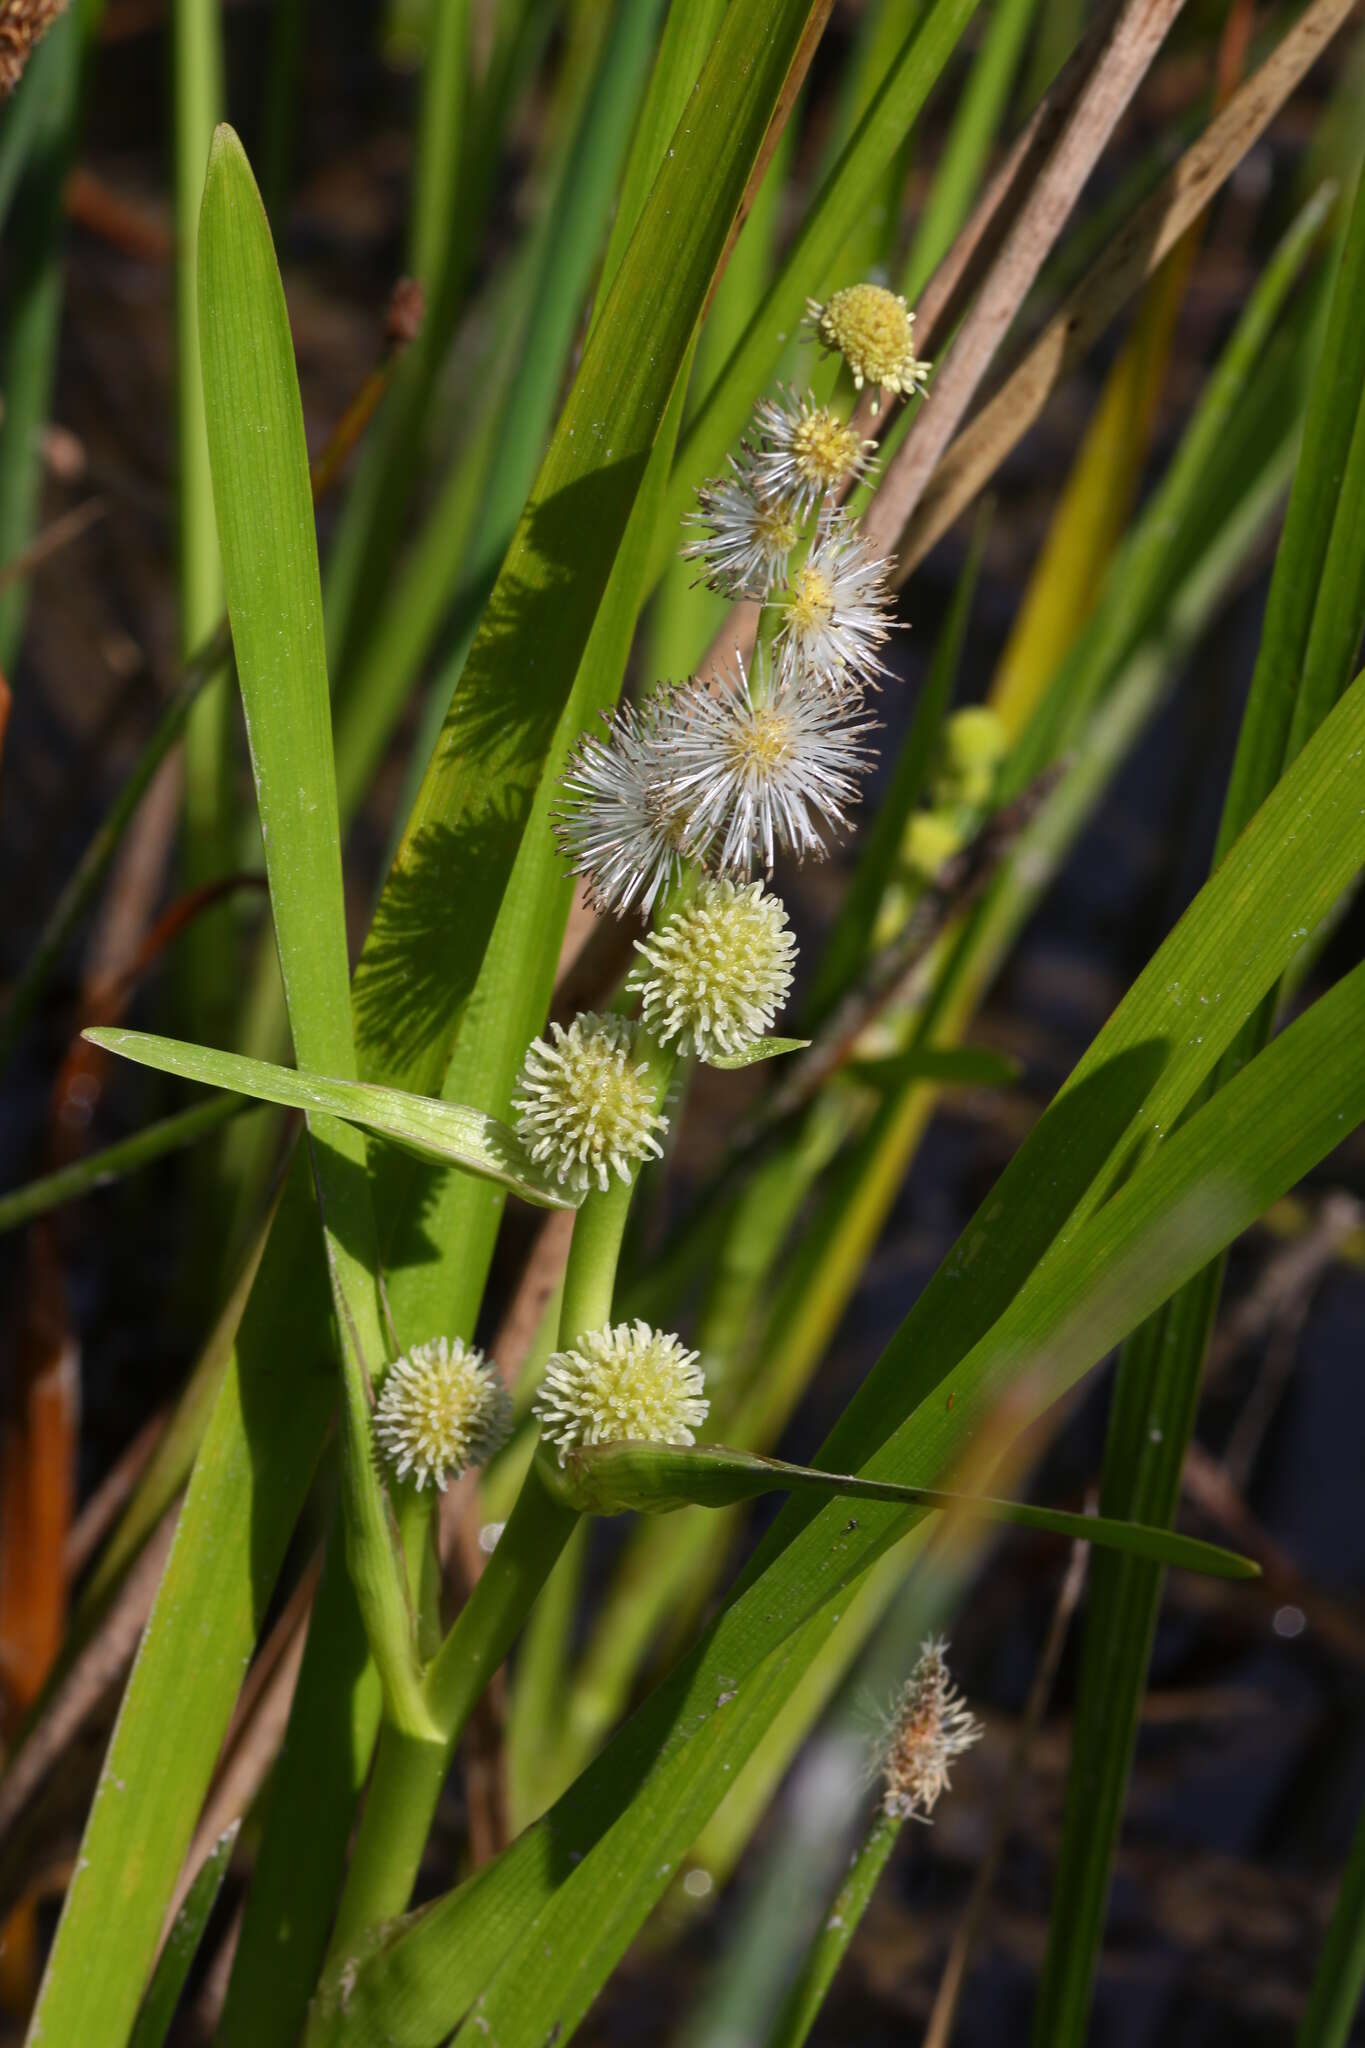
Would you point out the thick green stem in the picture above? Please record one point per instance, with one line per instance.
(409, 1772)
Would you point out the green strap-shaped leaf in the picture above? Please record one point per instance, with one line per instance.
(182, 1944)
(436, 1130)
(612, 1479)
(762, 1049)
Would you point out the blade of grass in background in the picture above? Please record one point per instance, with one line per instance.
(182, 1945)
(33, 287)
(1316, 602)
(207, 971)
(242, 1503)
(128, 1155)
(1340, 1975)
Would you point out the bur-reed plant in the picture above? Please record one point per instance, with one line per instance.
(434, 1083)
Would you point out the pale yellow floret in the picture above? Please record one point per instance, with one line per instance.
(824, 448)
(873, 330)
(812, 599)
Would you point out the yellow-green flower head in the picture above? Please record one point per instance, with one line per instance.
(585, 1106)
(930, 1724)
(974, 739)
(874, 331)
(625, 1384)
(806, 451)
(442, 1407)
(717, 974)
(933, 837)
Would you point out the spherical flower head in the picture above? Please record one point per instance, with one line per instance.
(806, 451)
(975, 738)
(442, 1408)
(615, 827)
(625, 1384)
(719, 971)
(838, 611)
(750, 531)
(586, 1105)
(931, 840)
(756, 767)
(874, 331)
(929, 1725)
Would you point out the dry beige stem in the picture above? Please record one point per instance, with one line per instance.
(930, 503)
(1123, 63)
(22, 24)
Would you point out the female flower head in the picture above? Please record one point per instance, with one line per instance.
(874, 331)
(806, 451)
(442, 1408)
(838, 611)
(616, 828)
(585, 1106)
(755, 768)
(625, 1384)
(750, 532)
(717, 973)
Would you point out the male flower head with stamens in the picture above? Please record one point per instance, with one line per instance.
(874, 331)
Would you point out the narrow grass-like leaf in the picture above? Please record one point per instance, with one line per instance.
(182, 1944)
(1340, 1975)
(444, 1132)
(614, 1479)
(763, 1049)
(129, 1155)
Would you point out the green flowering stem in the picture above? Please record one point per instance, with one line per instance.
(410, 1767)
(827, 1951)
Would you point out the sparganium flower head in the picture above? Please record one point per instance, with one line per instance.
(838, 610)
(874, 331)
(754, 768)
(930, 1724)
(585, 1106)
(616, 827)
(442, 1407)
(931, 840)
(718, 972)
(806, 451)
(625, 1384)
(750, 532)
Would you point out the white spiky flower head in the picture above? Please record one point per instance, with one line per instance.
(625, 1384)
(930, 1724)
(442, 1408)
(717, 973)
(755, 767)
(750, 533)
(586, 1106)
(838, 611)
(806, 451)
(874, 331)
(616, 827)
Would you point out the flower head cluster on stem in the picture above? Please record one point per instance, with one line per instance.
(930, 1724)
